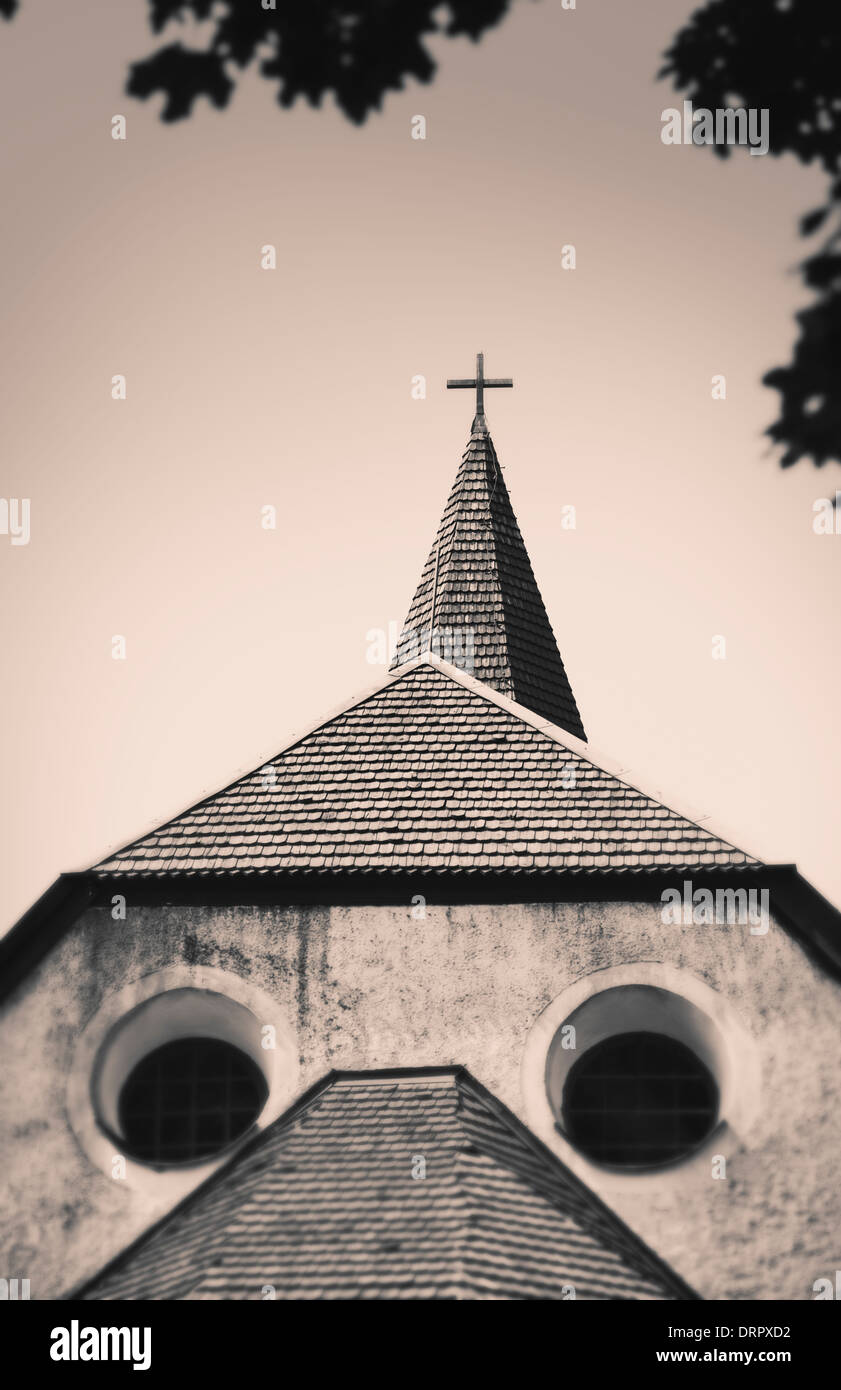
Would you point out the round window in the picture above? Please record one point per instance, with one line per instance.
(185, 1101)
(637, 1100)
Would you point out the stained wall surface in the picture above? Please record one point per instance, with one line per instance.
(375, 986)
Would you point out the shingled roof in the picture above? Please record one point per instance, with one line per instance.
(478, 604)
(432, 772)
(328, 1203)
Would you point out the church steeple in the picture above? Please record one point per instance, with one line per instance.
(477, 604)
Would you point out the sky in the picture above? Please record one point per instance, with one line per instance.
(292, 388)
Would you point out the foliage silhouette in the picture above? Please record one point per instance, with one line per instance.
(356, 49)
(785, 55)
(781, 54)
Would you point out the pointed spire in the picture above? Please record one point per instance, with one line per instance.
(477, 604)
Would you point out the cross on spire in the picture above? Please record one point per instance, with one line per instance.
(480, 381)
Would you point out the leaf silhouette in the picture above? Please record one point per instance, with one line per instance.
(784, 58)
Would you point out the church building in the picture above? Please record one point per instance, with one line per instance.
(434, 1004)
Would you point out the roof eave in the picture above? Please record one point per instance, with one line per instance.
(809, 917)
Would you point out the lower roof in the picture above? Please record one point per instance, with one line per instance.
(413, 1184)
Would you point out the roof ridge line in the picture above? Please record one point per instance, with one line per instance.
(435, 591)
(383, 1075)
(390, 678)
(522, 1132)
(465, 1211)
(240, 1154)
(452, 1072)
(571, 742)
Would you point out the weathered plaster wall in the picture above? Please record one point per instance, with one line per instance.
(373, 987)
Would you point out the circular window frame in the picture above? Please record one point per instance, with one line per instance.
(618, 1046)
(169, 1004)
(617, 1000)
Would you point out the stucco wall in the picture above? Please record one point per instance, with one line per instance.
(374, 987)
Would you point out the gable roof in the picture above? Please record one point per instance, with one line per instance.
(427, 774)
(323, 1204)
(478, 604)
